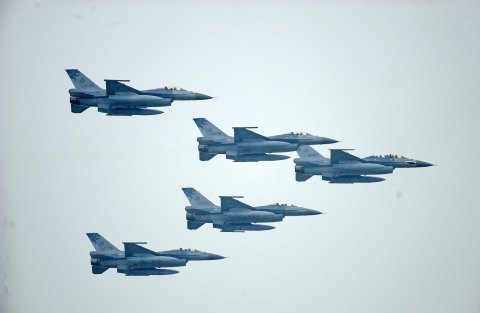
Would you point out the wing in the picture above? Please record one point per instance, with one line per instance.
(228, 203)
(133, 249)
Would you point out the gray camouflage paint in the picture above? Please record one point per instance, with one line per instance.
(235, 216)
(121, 100)
(139, 261)
(345, 168)
(248, 146)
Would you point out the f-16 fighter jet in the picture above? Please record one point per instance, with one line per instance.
(341, 168)
(248, 146)
(344, 168)
(235, 216)
(139, 261)
(120, 99)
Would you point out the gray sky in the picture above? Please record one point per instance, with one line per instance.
(383, 77)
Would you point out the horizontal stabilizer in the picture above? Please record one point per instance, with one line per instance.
(98, 269)
(241, 134)
(205, 156)
(229, 203)
(194, 225)
(75, 108)
(302, 177)
(340, 156)
(115, 86)
(133, 249)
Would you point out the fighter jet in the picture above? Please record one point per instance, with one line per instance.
(121, 100)
(341, 168)
(248, 146)
(344, 168)
(139, 261)
(235, 216)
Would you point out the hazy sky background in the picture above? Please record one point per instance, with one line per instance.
(383, 77)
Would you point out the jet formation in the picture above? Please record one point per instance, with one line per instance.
(235, 216)
(248, 146)
(122, 100)
(139, 261)
(345, 168)
(232, 215)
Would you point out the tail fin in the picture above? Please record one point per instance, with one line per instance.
(302, 177)
(197, 200)
(207, 128)
(100, 243)
(229, 202)
(79, 80)
(309, 152)
(115, 86)
(194, 225)
(339, 156)
(133, 249)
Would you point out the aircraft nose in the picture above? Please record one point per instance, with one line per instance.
(423, 164)
(327, 141)
(312, 212)
(201, 96)
(213, 256)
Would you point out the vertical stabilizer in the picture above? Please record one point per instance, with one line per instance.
(100, 243)
(80, 81)
(307, 152)
(208, 129)
(197, 200)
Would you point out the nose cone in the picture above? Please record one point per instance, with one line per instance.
(326, 141)
(201, 96)
(423, 164)
(212, 256)
(312, 212)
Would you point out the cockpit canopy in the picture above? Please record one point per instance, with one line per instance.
(181, 249)
(398, 156)
(173, 88)
(301, 133)
(282, 204)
